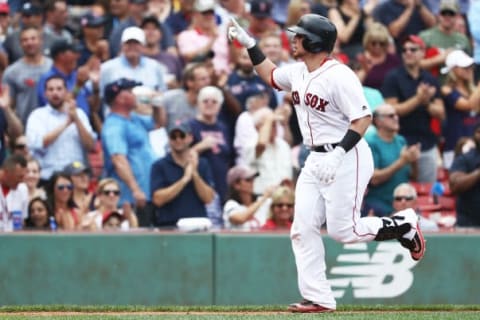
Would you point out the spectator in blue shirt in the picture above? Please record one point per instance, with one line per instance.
(128, 154)
(65, 56)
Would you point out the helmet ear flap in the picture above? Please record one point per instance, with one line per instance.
(311, 46)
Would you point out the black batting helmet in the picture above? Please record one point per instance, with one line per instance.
(319, 33)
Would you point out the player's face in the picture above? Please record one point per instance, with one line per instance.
(298, 50)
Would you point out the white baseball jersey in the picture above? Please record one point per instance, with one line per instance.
(326, 100)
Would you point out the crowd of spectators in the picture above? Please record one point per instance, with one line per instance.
(184, 127)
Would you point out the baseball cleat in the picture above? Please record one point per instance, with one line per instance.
(307, 306)
(416, 245)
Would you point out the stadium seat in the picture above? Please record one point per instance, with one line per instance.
(442, 174)
(422, 188)
(447, 203)
(426, 204)
(446, 187)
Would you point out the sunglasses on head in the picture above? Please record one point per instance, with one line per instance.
(283, 205)
(62, 187)
(176, 135)
(109, 192)
(406, 198)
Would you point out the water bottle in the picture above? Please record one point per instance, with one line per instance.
(437, 191)
(53, 223)
(17, 223)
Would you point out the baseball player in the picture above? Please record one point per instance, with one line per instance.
(333, 115)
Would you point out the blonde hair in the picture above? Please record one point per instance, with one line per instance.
(451, 80)
(278, 195)
(102, 183)
(376, 31)
(294, 12)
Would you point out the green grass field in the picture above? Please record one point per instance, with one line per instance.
(351, 312)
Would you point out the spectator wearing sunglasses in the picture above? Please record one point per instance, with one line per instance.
(415, 95)
(80, 175)
(19, 146)
(245, 211)
(60, 199)
(405, 197)
(182, 182)
(377, 59)
(403, 17)
(394, 161)
(281, 210)
(442, 38)
(107, 200)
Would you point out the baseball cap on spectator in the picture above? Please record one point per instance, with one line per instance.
(114, 88)
(92, 21)
(112, 214)
(151, 19)
(30, 9)
(240, 172)
(449, 6)
(76, 168)
(182, 127)
(4, 8)
(133, 33)
(61, 46)
(260, 8)
(457, 58)
(204, 5)
(414, 39)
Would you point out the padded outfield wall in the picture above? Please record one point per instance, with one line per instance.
(155, 268)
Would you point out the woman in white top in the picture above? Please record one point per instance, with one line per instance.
(243, 210)
(108, 195)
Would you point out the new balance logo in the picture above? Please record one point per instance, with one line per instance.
(384, 274)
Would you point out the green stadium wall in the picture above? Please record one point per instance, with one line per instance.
(155, 268)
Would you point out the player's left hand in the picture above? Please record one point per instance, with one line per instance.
(235, 31)
(327, 169)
